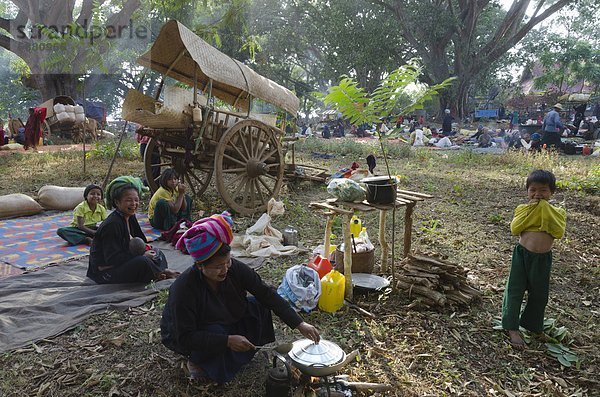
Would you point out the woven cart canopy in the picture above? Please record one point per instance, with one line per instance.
(177, 51)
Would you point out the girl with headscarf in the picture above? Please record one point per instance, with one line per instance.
(208, 316)
(111, 261)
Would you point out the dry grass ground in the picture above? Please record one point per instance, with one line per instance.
(421, 353)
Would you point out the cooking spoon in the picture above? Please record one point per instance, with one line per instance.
(283, 348)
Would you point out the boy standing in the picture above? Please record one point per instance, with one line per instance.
(537, 224)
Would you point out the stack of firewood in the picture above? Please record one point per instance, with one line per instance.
(434, 282)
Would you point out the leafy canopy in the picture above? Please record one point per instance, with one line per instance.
(393, 95)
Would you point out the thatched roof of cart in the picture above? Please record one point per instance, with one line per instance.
(177, 51)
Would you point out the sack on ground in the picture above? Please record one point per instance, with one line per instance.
(346, 189)
(301, 287)
(14, 205)
(60, 198)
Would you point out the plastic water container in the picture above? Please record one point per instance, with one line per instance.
(321, 265)
(332, 291)
(355, 226)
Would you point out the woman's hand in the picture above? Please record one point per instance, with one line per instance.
(239, 343)
(309, 331)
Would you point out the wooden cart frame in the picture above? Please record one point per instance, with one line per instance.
(245, 154)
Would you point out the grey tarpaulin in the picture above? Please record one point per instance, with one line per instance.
(47, 303)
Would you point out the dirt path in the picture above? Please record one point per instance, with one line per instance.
(49, 148)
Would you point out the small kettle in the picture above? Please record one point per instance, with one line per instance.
(290, 236)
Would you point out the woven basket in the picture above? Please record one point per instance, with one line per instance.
(144, 110)
(362, 262)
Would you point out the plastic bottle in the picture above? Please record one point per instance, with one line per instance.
(355, 226)
(332, 291)
(321, 265)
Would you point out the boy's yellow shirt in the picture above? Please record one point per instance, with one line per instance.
(164, 194)
(539, 217)
(90, 217)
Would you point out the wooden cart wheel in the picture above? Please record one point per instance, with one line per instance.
(195, 174)
(249, 165)
(46, 130)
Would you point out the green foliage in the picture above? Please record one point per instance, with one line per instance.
(105, 149)
(496, 218)
(589, 183)
(15, 98)
(431, 226)
(392, 96)
(558, 346)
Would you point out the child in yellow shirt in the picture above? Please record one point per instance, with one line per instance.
(86, 217)
(169, 203)
(537, 224)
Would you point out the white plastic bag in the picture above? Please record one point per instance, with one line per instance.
(301, 287)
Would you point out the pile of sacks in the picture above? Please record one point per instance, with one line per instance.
(69, 113)
(49, 198)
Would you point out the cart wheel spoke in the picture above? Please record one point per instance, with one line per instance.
(234, 159)
(242, 157)
(242, 138)
(265, 185)
(272, 152)
(234, 170)
(264, 147)
(189, 181)
(250, 141)
(258, 191)
(270, 177)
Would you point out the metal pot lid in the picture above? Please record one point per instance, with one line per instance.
(379, 179)
(306, 352)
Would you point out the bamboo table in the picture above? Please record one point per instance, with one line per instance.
(333, 207)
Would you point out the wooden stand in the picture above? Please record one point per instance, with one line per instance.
(333, 207)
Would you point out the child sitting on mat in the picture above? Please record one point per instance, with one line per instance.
(537, 224)
(86, 216)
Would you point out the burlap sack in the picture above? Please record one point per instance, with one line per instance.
(60, 198)
(14, 205)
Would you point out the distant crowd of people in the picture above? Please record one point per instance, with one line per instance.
(422, 133)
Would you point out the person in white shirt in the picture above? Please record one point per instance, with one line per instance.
(383, 129)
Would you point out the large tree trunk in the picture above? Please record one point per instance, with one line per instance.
(52, 85)
(52, 80)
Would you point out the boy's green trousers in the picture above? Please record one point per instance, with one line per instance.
(529, 272)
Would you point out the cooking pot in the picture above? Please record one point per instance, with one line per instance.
(381, 189)
(319, 359)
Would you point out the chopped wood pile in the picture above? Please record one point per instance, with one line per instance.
(434, 282)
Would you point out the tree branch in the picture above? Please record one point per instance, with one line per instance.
(13, 46)
(86, 11)
(123, 16)
(492, 52)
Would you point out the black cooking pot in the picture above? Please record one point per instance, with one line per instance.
(381, 189)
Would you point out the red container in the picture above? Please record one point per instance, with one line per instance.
(321, 265)
(586, 151)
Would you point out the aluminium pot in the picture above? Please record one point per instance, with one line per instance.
(319, 359)
(381, 189)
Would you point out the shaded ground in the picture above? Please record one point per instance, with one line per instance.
(421, 353)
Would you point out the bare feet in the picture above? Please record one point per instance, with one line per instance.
(87, 241)
(167, 274)
(516, 341)
(196, 372)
